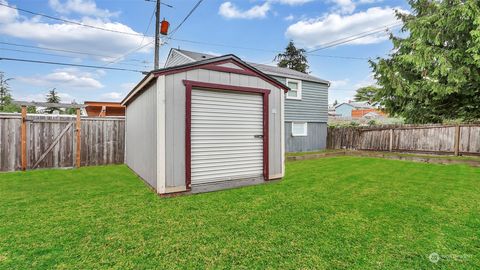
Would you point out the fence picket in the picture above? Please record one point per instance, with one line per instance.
(440, 139)
(43, 131)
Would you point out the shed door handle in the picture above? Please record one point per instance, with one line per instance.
(258, 136)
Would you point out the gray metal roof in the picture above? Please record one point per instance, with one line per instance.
(149, 75)
(357, 104)
(267, 69)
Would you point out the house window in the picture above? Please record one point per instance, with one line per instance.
(299, 129)
(295, 89)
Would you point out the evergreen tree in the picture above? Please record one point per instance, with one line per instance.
(433, 72)
(293, 58)
(52, 97)
(366, 93)
(5, 96)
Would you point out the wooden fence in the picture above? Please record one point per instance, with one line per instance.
(52, 141)
(437, 139)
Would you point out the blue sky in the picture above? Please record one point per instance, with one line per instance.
(254, 30)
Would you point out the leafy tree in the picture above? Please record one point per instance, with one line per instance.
(5, 96)
(71, 110)
(31, 109)
(433, 72)
(52, 97)
(366, 93)
(293, 58)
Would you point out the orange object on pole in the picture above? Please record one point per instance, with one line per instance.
(164, 27)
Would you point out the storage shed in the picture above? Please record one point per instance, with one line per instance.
(206, 125)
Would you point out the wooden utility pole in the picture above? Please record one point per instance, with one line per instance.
(157, 35)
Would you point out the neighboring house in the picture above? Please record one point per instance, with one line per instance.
(345, 109)
(367, 113)
(103, 109)
(306, 103)
(205, 125)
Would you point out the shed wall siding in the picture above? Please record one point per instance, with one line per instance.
(175, 119)
(141, 134)
(316, 139)
(313, 107)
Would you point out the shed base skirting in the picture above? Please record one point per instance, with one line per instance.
(226, 185)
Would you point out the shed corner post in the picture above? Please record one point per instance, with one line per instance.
(23, 139)
(161, 135)
(78, 137)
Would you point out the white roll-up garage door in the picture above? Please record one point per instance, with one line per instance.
(226, 136)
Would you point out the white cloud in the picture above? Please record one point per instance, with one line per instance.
(127, 86)
(65, 79)
(113, 96)
(291, 2)
(289, 17)
(367, 81)
(83, 7)
(104, 45)
(345, 6)
(369, 1)
(339, 83)
(316, 32)
(230, 11)
(41, 97)
(7, 14)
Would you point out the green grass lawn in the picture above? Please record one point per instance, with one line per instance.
(333, 213)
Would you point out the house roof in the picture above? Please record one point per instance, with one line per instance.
(198, 64)
(357, 105)
(103, 103)
(267, 69)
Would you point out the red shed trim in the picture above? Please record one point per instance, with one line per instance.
(188, 122)
(216, 66)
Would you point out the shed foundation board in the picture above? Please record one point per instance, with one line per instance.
(226, 185)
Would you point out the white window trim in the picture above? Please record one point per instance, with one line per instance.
(305, 124)
(299, 91)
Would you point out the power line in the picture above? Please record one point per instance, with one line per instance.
(184, 19)
(67, 64)
(161, 3)
(58, 55)
(262, 50)
(128, 53)
(63, 50)
(168, 37)
(353, 37)
(141, 43)
(70, 22)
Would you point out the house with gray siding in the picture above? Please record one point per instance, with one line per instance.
(345, 109)
(306, 104)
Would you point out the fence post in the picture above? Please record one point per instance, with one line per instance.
(78, 129)
(457, 140)
(23, 138)
(390, 144)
